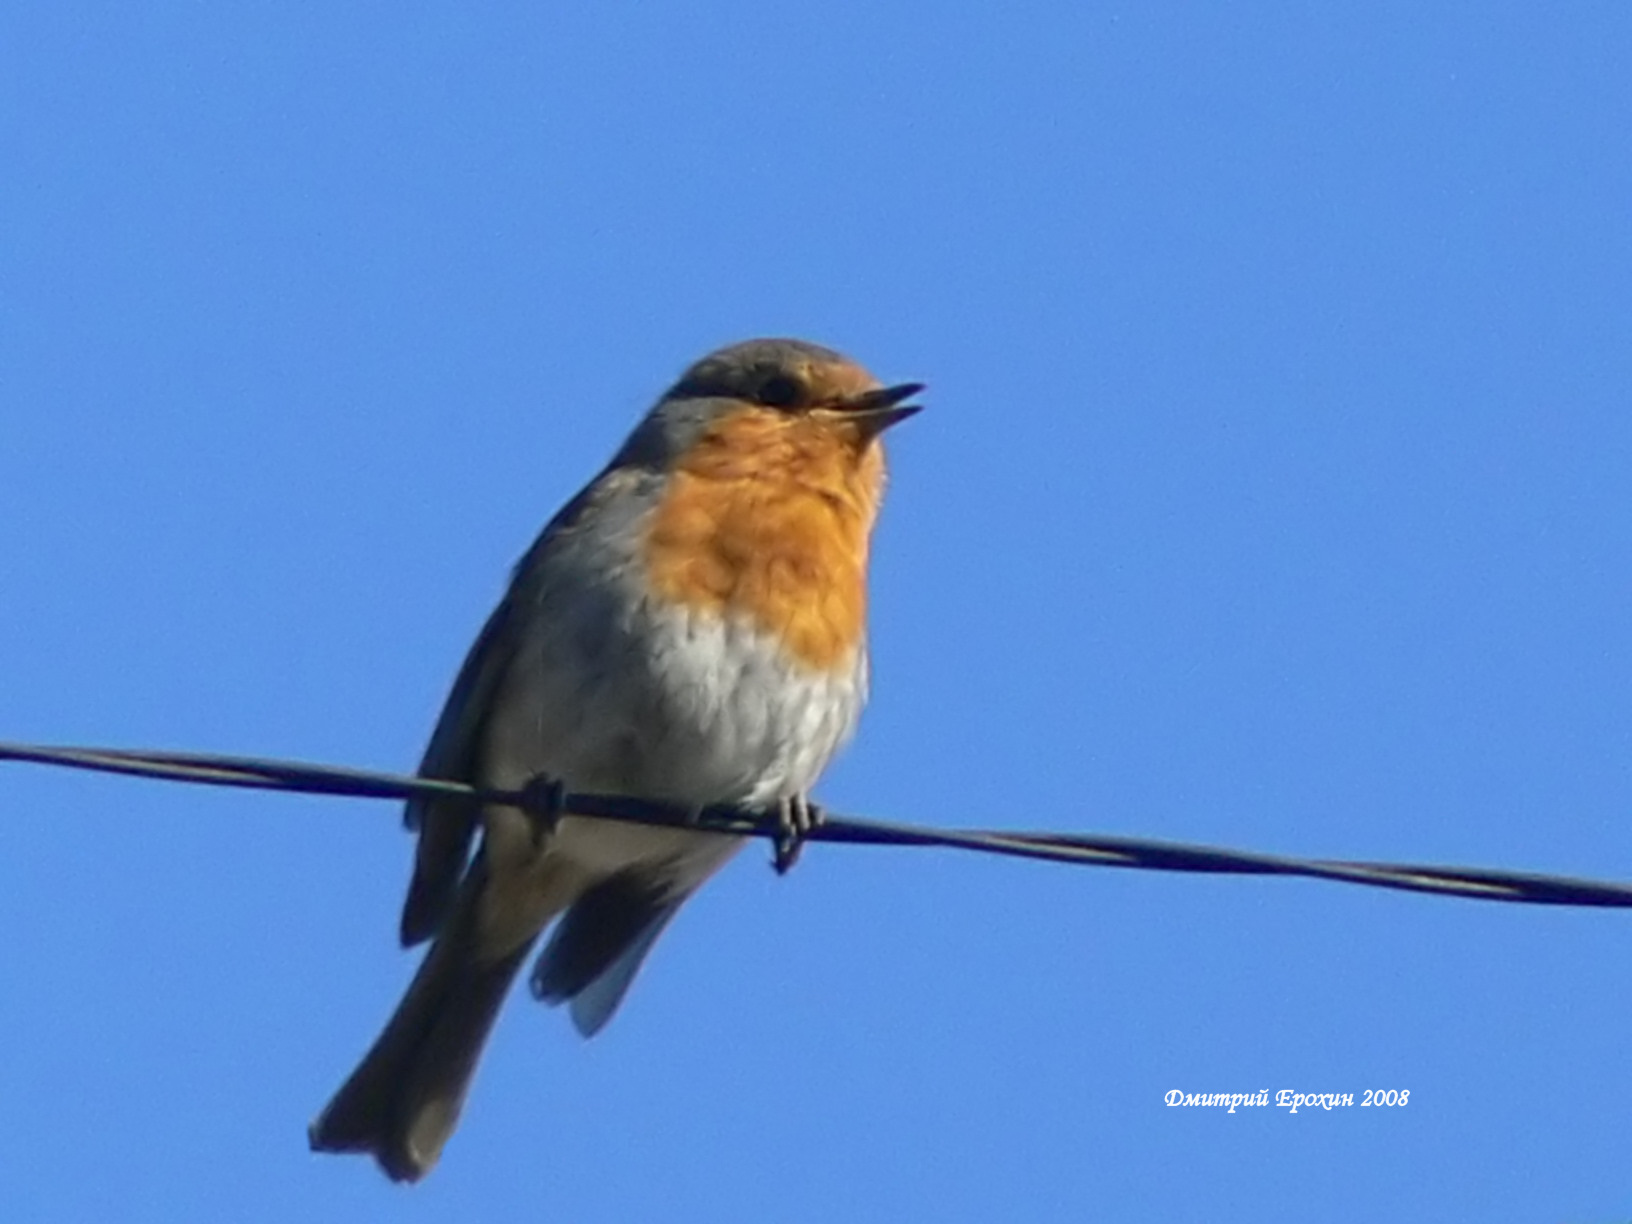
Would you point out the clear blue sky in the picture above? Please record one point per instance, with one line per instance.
(1273, 493)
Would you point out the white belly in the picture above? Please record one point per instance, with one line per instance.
(659, 703)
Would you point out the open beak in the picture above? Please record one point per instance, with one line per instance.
(876, 411)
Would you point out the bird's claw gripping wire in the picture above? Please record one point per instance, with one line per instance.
(796, 816)
(544, 799)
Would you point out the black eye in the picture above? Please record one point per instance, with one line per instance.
(781, 391)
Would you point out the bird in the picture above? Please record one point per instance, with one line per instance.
(690, 629)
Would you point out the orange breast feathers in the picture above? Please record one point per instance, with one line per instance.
(767, 516)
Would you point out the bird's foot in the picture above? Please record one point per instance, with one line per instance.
(544, 799)
(796, 817)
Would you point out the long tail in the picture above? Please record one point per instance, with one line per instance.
(403, 1100)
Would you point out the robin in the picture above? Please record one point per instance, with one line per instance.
(690, 628)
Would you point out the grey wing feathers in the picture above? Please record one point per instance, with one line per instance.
(596, 1003)
(597, 949)
(446, 828)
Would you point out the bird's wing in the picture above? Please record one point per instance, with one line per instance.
(446, 826)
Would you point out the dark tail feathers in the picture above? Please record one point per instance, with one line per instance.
(403, 1101)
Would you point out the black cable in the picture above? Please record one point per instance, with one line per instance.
(1084, 849)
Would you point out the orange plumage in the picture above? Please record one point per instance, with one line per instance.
(768, 516)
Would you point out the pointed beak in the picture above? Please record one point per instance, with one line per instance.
(876, 411)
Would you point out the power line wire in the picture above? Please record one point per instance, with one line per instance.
(1093, 850)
